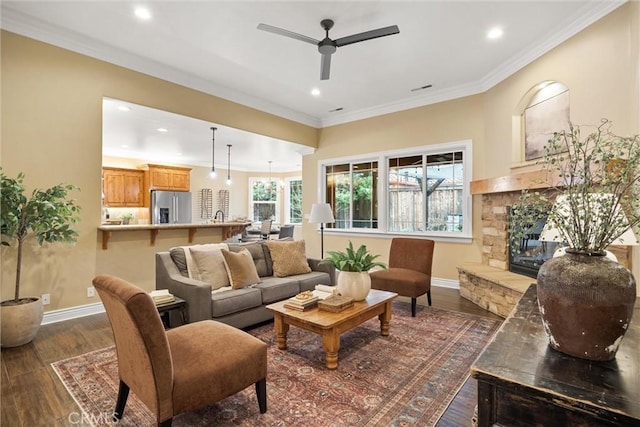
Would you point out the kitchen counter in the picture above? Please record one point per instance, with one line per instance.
(229, 228)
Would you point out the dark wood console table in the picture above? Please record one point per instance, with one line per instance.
(523, 382)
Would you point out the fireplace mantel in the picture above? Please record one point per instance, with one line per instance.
(514, 182)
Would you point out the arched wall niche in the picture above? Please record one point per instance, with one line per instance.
(540, 92)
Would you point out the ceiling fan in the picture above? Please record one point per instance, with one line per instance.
(327, 47)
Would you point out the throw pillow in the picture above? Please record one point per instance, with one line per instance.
(208, 264)
(240, 268)
(257, 253)
(288, 258)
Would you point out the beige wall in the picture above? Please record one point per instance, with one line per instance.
(51, 130)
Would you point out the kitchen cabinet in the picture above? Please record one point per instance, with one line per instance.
(172, 178)
(122, 187)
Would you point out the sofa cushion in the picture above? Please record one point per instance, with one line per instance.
(275, 289)
(288, 258)
(240, 268)
(309, 281)
(208, 264)
(179, 259)
(257, 250)
(234, 300)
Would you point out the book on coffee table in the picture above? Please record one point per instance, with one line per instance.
(301, 307)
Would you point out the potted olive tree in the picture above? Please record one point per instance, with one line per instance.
(593, 200)
(353, 270)
(48, 216)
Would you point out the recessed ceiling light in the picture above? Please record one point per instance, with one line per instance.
(494, 33)
(162, 130)
(336, 109)
(124, 146)
(142, 13)
(315, 91)
(123, 108)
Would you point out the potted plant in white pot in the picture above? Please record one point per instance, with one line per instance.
(586, 299)
(353, 270)
(48, 216)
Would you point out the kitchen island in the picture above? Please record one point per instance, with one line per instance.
(228, 229)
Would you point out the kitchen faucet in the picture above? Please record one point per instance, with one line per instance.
(215, 217)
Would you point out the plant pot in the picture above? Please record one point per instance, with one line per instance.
(354, 284)
(586, 303)
(20, 322)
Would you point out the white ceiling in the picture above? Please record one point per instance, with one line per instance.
(214, 46)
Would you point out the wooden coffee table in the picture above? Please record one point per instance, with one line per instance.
(331, 325)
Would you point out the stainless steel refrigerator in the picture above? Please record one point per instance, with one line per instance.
(170, 207)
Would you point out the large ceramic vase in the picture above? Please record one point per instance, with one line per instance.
(354, 284)
(586, 303)
(20, 323)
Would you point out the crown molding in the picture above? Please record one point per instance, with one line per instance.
(589, 14)
(404, 104)
(36, 29)
(52, 34)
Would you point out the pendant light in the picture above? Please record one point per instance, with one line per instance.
(228, 164)
(213, 153)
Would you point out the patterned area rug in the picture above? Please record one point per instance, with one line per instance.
(407, 378)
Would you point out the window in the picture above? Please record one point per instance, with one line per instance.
(421, 190)
(352, 191)
(293, 200)
(263, 199)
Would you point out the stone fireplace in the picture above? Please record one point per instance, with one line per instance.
(489, 283)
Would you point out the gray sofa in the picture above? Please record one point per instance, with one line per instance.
(236, 307)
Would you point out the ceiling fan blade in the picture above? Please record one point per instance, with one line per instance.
(325, 67)
(367, 35)
(287, 33)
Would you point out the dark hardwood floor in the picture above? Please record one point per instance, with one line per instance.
(32, 395)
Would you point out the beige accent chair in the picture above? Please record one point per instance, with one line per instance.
(409, 272)
(181, 369)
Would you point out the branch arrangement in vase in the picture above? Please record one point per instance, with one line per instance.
(593, 189)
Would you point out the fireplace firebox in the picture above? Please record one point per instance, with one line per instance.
(527, 252)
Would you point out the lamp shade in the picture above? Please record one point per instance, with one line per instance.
(321, 213)
(551, 233)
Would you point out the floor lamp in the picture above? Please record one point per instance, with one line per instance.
(321, 213)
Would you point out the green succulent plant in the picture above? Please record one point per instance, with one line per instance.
(353, 260)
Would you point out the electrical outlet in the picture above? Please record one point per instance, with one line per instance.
(91, 292)
(46, 299)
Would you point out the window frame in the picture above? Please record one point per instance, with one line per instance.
(287, 200)
(382, 157)
(253, 180)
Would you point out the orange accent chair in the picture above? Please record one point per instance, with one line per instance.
(184, 368)
(409, 272)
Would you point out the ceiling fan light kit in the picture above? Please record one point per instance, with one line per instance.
(327, 46)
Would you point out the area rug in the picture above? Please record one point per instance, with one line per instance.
(407, 378)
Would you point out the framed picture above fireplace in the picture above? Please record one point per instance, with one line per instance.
(543, 117)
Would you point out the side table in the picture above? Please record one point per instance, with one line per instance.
(524, 382)
(165, 309)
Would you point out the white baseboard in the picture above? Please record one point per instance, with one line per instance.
(445, 283)
(55, 316)
(72, 313)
